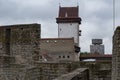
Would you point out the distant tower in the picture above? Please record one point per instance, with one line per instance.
(68, 21)
(97, 46)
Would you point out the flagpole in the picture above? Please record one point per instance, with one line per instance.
(77, 3)
(113, 15)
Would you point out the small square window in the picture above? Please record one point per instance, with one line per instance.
(59, 56)
(60, 29)
(68, 56)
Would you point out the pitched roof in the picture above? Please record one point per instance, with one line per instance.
(68, 15)
(71, 12)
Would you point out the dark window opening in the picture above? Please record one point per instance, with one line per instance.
(21, 28)
(7, 40)
(59, 56)
(68, 56)
(60, 29)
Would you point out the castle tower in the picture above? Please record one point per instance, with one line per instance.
(97, 46)
(68, 21)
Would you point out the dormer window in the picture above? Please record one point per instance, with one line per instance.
(66, 15)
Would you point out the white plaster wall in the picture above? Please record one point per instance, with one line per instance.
(69, 30)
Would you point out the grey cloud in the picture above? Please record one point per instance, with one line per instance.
(96, 17)
(24, 10)
(97, 22)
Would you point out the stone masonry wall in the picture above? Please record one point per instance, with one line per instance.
(19, 72)
(97, 70)
(78, 74)
(116, 55)
(58, 49)
(21, 41)
(19, 48)
(49, 71)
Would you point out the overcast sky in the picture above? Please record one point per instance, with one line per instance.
(97, 17)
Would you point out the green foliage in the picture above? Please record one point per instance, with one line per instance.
(84, 53)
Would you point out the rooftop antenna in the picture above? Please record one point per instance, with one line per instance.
(78, 6)
(113, 15)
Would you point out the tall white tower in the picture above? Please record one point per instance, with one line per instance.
(68, 23)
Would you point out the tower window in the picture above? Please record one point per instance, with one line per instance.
(60, 29)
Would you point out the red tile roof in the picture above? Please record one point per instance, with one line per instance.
(96, 55)
(71, 12)
(68, 15)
